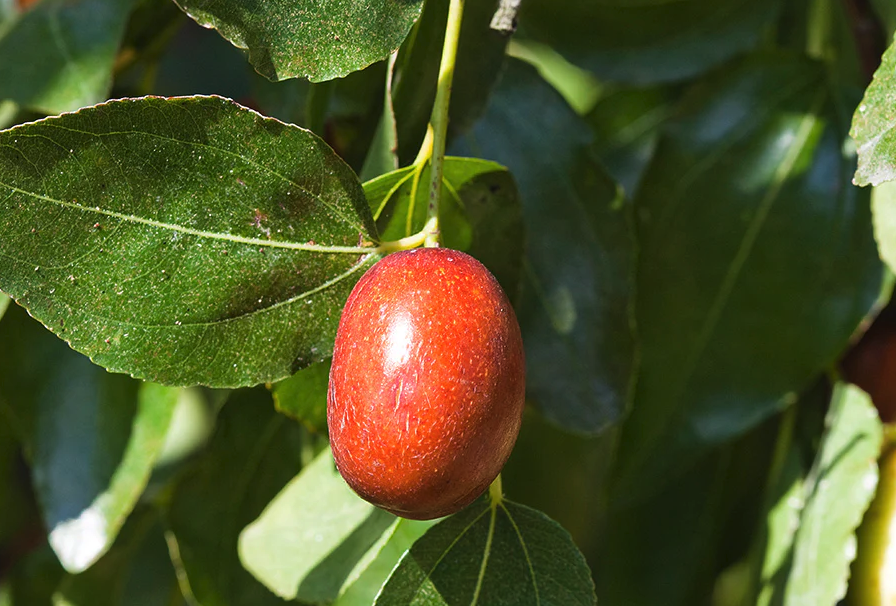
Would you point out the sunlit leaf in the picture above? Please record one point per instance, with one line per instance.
(302, 38)
(491, 554)
(312, 535)
(811, 528)
(872, 125)
(187, 241)
(92, 437)
(303, 396)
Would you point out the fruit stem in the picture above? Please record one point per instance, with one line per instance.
(409, 242)
(496, 492)
(439, 119)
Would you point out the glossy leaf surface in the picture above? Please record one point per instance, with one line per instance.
(745, 213)
(187, 241)
(811, 528)
(643, 41)
(59, 55)
(502, 555)
(252, 455)
(577, 278)
(872, 125)
(92, 437)
(303, 38)
(310, 538)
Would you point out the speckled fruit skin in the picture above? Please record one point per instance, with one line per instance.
(427, 384)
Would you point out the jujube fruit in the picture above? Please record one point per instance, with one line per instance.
(427, 384)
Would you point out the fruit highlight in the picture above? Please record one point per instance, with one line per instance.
(427, 384)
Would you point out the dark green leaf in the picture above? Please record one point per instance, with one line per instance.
(137, 571)
(312, 535)
(745, 214)
(92, 437)
(480, 57)
(59, 55)
(302, 38)
(252, 455)
(303, 396)
(34, 578)
(181, 240)
(626, 129)
(382, 157)
(577, 282)
(645, 41)
(872, 125)
(504, 554)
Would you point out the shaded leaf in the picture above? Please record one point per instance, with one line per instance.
(92, 437)
(872, 125)
(745, 213)
(307, 39)
(574, 310)
(252, 455)
(644, 42)
(198, 238)
(59, 55)
(626, 126)
(34, 578)
(311, 536)
(137, 571)
(369, 575)
(480, 59)
(811, 528)
(303, 396)
(492, 554)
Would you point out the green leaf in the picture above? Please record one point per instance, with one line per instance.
(302, 38)
(92, 437)
(811, 528)
(252, 455)
(643, 41)
(577, 283)
(203, 244)
(33, 579)
(626, 126)
(872, 125)
(883, 208)
(369, 575)
(499, 554)
(4, 303)
(480, 211)
(745, 214)
(59, 55)
(480, 59)
(303, 396)
(137, 570)
(311, 536)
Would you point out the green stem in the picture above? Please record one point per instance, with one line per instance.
(496, 492)
(439, 119)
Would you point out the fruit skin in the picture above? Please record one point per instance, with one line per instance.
(427, 384)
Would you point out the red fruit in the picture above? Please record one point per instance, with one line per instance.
(427, 384)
